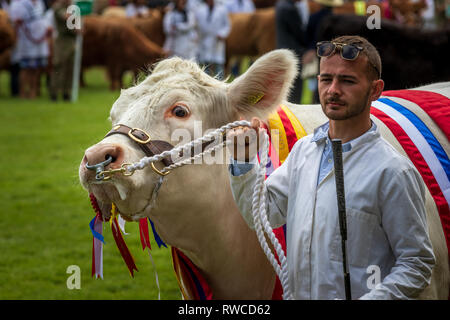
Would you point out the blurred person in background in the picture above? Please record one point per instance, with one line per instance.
(213, 27)
(137, 8)
(31, 49)
(64, 53)
(238, 6)
(309, 60)
(290, 35)
(180, 30)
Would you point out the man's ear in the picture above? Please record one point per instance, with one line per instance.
(377, 89)
(260, 90)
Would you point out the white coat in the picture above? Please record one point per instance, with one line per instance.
(386, 220)
(210, 27)
(181, 36)
(31, 41)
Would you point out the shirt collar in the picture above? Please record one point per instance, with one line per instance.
(321, 135)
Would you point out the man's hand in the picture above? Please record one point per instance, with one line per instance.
(243, 142)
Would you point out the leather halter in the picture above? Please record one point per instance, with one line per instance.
(143, 140)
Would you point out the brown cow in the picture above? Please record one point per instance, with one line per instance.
(7, 34)
(151, 26)
(118, 46)
(252, 34)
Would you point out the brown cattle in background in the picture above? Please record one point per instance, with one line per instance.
(118, 46)
(151, 26)
(7, 34)
(252, 34)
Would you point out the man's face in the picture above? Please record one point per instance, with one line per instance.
(344, 89)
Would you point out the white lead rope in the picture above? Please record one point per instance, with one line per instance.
(261, 222)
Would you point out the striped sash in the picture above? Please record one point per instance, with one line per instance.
(419, 141)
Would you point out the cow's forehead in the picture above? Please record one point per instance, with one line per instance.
(171, 75)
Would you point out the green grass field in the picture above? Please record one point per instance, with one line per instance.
(45, 213)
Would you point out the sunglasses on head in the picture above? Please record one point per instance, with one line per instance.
(348, 51)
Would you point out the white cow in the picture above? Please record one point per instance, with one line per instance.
(194, 208)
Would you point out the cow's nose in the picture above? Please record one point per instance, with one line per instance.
(101, 152)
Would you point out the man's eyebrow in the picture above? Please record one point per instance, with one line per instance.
(339, 76)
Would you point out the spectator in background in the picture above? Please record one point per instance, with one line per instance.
(136, 8)
(31, 48)
(181, 35)
(214, 27)
(192, 5)
(309, 59)
(240, 6)
(290, 35)
(237, 6)
(64, 52)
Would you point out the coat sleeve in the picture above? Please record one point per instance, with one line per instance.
(404, 221)
(276, 187)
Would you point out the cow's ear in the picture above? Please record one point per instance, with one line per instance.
(261, 89)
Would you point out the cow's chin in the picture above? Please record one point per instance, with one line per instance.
(131, 199)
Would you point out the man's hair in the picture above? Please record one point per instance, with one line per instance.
(373, 57)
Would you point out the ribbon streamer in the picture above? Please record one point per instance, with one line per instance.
(145, 241)
(122, 224)
(156, 273)
(121, 245)
(143, 232)
(158, 240)
(96, 226)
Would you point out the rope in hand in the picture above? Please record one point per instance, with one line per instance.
(261, 222)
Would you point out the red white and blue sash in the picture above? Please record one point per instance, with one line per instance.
(419, 142)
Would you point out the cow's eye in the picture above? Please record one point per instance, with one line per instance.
(180, 111)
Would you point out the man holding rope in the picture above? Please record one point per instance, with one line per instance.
(386, 218)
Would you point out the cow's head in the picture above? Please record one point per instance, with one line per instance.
(176, 95)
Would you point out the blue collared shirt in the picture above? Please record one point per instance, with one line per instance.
(326, 162)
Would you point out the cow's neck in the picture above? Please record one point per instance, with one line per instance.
(212, 232)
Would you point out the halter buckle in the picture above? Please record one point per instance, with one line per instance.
(132, 136)
(163, 174)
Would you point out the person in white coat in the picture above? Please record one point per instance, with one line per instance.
(31, 48)
(180, 30)
(213, 27)
(384, 192)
